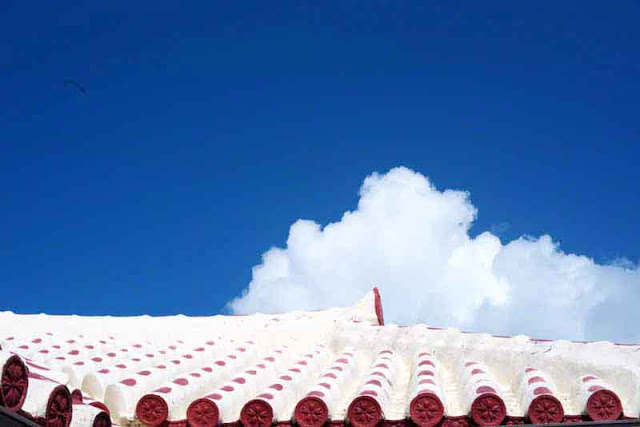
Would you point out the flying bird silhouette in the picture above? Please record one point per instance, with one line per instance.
(75, 84)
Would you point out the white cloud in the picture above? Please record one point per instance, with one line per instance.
(412, 241)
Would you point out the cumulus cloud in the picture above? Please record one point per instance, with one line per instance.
(412, 241)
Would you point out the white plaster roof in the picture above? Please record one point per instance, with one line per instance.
(339, 363)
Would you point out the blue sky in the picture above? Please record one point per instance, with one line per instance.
(207, 129)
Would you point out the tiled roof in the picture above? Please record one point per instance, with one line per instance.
(338, 365)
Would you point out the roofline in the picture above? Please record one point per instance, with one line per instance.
(629, 422)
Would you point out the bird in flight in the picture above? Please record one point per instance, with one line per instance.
(75, 84)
